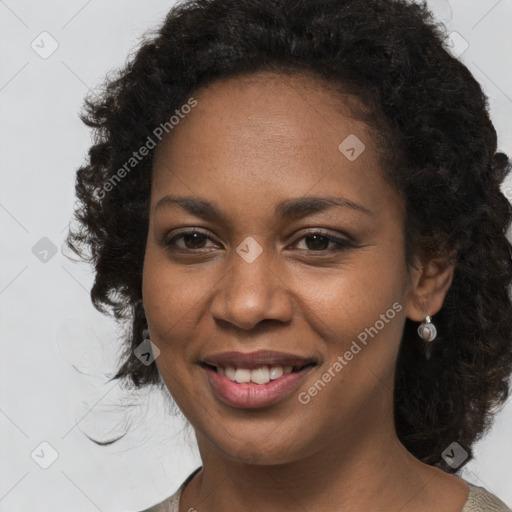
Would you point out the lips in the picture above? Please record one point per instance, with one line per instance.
(256, 379)
(252, 360)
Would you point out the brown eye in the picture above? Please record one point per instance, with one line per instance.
(187, 241)
(193, 240)
(317, 242)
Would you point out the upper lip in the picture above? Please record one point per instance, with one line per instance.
(251, 360)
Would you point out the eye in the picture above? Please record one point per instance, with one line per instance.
(190, 241)
(318, 241)
(315, 241)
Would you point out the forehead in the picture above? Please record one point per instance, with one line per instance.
(272, 104)
(269, 135)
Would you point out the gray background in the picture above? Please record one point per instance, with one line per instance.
(55, 345)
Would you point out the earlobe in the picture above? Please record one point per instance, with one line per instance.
(430, 284)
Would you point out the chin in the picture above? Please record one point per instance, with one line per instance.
(265, 450)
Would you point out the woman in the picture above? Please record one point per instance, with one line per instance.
(299, 204)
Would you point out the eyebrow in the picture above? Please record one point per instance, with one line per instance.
(292, 209)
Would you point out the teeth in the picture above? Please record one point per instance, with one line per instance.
(276, 372)
(242, 375)
(261, 375)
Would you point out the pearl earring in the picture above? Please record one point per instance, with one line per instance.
(427, 330)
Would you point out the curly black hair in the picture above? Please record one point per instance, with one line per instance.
(439, 147)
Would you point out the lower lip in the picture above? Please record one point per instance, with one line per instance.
(250, 395)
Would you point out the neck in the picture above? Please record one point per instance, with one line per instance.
(367, 470)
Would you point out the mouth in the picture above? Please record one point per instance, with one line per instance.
(257, 379)
(259, 375)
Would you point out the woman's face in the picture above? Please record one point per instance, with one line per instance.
(270, 191)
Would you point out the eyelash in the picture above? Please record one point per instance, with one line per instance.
(341, 244)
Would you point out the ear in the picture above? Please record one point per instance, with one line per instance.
(430, 283)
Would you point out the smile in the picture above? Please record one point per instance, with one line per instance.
(260, 376)
(251, 380)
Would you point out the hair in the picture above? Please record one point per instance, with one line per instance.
(441, 156)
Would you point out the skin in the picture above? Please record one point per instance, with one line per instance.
(250, 143)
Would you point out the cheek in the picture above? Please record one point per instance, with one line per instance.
(359, 312)
(360, 317)
(169, 296)
(172, 298)
(349, 300)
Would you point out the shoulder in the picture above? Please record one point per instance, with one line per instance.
(172, 503)
(168, 505)
(481, 500)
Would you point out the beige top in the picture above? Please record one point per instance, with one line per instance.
(479, 500)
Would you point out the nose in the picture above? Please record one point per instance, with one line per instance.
(250, 293)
